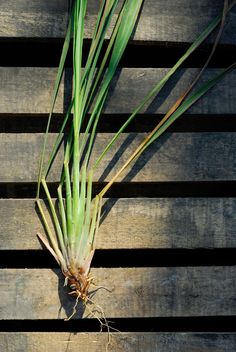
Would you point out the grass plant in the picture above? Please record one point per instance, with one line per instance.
(72, 238)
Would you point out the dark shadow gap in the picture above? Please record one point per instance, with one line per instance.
(116, 258)
(161, 324)
(33, 52)
(134, 189)
(36, 123)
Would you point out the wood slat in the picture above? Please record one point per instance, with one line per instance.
(135, 292)
(129, 87)
(135, 223)
(174, 157)
(128, 342)
(177, 21)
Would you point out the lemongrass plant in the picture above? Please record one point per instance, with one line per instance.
(72, 238)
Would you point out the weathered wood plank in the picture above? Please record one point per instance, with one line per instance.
(29, 90)
(135, 292)
(174, 157)
(135, 223)
(162, 20)
(128, 342)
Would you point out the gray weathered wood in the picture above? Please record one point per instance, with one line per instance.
(174, 157)
(135, 223)
(135, 292)
(128, 342)
(161, 20)
(129, 87)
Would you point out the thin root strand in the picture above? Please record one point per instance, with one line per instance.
(74, 308)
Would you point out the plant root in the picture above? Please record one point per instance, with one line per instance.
(74, 309)
(80, 286)
(78, 282)
(102, 320)
(98, 287)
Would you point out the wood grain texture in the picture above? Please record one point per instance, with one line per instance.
(135, 292)
(163, 20)
(128, 342)
(174, 157)
(129, 87)
(135, 223)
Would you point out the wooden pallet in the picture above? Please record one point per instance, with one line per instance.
(170, 220)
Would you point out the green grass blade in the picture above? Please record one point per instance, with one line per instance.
(55, 93)
(62, 214)
(101, 69)
(88, 201)
(127, 9)
(79, 221)
(91, 242)
(94, 217)
(98, 41)
(78, 45)
(55, 219)
(88, 68)
(158, 131)
(209, 29)
(92, 134)
(102, 97)
(48, 246)
(53, 240)
(69, 212)
(123, 32)
(193, 98)
(58, 141)
(99, 74)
